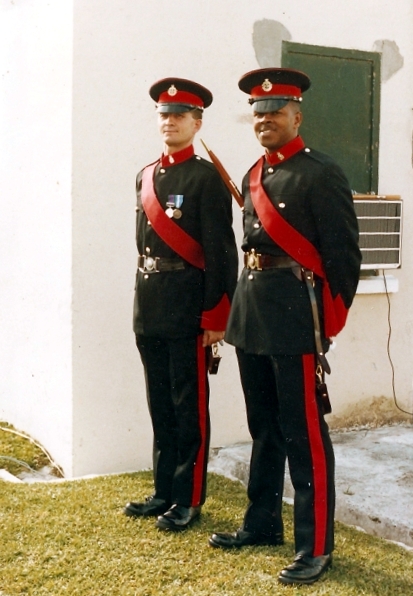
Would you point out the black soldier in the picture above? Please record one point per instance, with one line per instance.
(301, 272)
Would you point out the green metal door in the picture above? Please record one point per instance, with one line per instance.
(341, 108)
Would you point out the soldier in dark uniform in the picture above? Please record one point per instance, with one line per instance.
(187, 272)
(301, 272)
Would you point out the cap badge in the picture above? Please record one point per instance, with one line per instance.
(172, 90)
(266, 86)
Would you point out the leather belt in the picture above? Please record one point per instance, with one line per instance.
(159, 264)
(259, 262)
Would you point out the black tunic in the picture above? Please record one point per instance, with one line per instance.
(173, 304)
(271, 312)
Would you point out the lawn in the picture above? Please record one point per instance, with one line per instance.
(71, 537)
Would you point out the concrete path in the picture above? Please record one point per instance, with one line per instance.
(374, 478)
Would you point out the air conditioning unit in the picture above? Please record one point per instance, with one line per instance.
(380, 225)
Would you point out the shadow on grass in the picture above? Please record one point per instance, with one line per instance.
(72, 538)
(369, 576)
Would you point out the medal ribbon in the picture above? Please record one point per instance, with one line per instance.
(172, 234)
(298, 247)
(175, 201)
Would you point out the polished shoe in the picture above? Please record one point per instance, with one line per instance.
(151, 507)
(177, 518)
(243, 538)
(305, 569)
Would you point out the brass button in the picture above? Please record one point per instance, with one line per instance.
(270, 170)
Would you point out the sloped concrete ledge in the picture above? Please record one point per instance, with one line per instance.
(374, 478)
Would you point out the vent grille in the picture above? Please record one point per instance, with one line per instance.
(380, 225)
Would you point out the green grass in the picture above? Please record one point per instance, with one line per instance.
(71, 538)
(18, 454)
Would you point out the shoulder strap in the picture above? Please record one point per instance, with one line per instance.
(172, 234)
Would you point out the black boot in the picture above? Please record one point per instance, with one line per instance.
(151, 507)
(305, 569)
(177, 518)
(244, 538)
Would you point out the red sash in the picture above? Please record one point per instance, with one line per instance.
(172, 234)
(299, 249)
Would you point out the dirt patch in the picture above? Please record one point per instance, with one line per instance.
(371, 412)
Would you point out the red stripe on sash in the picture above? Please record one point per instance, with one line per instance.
(173, 235)
(199, 469)
(317, 455)
(298, 247)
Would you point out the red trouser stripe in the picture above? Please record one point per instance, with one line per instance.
(202, 413)
(317, 455)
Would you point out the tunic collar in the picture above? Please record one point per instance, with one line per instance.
(178, 157)
(285, 152)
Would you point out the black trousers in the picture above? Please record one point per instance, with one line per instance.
(286, 422)
(178, 398)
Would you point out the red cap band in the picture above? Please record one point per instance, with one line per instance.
(273, 89)
(183, 97)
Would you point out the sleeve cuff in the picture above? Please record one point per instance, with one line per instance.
(216, 318)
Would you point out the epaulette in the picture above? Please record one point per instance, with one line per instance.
(150, 164)
(205, 162)
(139, 174)
(318, 156)
(253, 165)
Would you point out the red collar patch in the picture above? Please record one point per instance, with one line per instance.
(178, 157)
(285, 152)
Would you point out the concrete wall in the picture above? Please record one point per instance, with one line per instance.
(92, 376)
(35, 222)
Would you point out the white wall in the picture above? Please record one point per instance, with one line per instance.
(35, 225)
(119, 49)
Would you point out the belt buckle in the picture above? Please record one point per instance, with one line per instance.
(253, 260)
(148, 264)
(151, 264)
